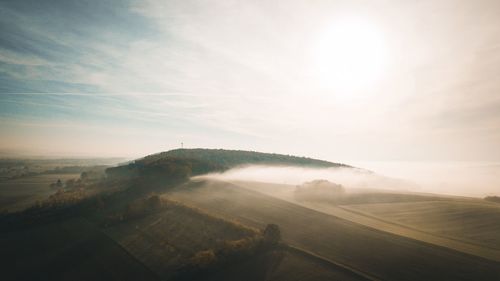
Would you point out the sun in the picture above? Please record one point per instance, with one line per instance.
(349, 55)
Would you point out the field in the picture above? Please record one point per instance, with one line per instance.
(474, 221)
(67, 250)
(20, 193)
(466, 216)
(26, 181)
(295, 266)
(379, 254)
(284, 266)
(166, 240)
(152, 245)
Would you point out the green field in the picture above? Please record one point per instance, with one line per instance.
(18, 194)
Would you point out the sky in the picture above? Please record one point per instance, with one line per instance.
(337, 80)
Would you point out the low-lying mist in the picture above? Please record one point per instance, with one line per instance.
(476, 179)
(450, 179)
(351, 178)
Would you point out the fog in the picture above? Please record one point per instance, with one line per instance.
(456, 178)
(477, 179)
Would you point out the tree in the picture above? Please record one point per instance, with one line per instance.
(272, 234)
(154, 202)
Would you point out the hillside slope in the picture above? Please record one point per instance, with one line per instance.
(475, 221)
(166, 239)
(380, 254)
(72, 249)
(467, 225)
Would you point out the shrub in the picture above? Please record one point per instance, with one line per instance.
(495, 199)
(240, 248)
(232, 252)
(203, 259)
(319, 190)
(272, 234)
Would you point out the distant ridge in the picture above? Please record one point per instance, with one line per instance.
(232, 158)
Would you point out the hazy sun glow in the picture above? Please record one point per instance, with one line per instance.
(349, 55)
(361, 80)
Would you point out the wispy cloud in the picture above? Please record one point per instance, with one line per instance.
(239, 73)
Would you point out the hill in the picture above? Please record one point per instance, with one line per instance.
(180, 164)
(232, 158)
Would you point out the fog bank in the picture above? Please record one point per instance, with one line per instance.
(351, 178)
(458, 178)
(477, 179)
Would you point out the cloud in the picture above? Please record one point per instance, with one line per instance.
(239, 72)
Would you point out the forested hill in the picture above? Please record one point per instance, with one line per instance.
(182, 163)
(232, 158)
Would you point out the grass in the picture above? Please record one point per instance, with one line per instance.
(167, 240)
(229, 249)
(18, 194)
(279, 265)
(474, 221)
(72, 249)
(347, 209)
